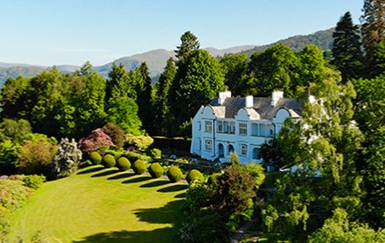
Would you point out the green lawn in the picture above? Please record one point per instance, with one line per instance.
(103, 205)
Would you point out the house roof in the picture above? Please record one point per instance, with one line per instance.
(262, 106)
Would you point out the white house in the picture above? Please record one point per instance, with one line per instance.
(240, 124)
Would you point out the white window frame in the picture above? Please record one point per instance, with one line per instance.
(243, 129)
(208, 126)
(243, 149)
(220, 126)
(208, 145)
(231, 127)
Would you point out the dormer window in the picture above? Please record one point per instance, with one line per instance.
(243, 129)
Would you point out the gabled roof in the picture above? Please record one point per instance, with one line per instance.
(262, 106)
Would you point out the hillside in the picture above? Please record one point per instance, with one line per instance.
(7, 71)
(323, 39)
(156, 59)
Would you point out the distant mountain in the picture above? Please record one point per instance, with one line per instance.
(15, 71)
(156, 59)
(323, 39)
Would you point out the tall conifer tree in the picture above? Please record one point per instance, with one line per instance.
(346, 49)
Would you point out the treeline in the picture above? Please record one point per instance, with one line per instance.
(72, 105)
(334, 190)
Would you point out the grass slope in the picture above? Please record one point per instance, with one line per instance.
(103, 205)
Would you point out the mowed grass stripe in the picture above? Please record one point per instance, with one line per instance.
(90, 207)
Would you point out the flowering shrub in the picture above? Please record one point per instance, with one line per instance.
(96, 141)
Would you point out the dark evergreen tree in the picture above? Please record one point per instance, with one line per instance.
(164, 118)
(189, 44)
(143, 90)
(346, 50)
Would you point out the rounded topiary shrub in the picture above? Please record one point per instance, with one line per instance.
(139, 167)
(194, 175)
(124, 163)
(96, 158)
(174, 174)
(109, 160)
(156, 170)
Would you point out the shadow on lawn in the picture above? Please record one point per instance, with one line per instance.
(165, 235)
(106, 172)
(181, 195)
(168, 214)
(137, 179)
(123, 175)
(90, 170)
(173, 188)
(155, 183)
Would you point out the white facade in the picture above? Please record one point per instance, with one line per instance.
(240, 125)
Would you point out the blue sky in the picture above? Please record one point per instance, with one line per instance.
(54, 32)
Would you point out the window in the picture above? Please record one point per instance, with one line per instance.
(225, 126)
(208, 145)
(199, 126)
(243, 149)
(256, 153)
(208, 126)
(221, 150)
(243, 129)
(231, 128)
(220, 126)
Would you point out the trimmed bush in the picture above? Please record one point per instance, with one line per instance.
(109, 160)
(96, 158)
(124, 163)
(156, 170)
(156, 153)
(213, 179)
(139, 167)
(194, 175)
(34, 181)
(174, 174)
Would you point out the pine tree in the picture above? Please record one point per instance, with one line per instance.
(346, 49)
(189, 44)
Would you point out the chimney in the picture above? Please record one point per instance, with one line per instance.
(223, 96)
(249, 101)
(275, 97)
